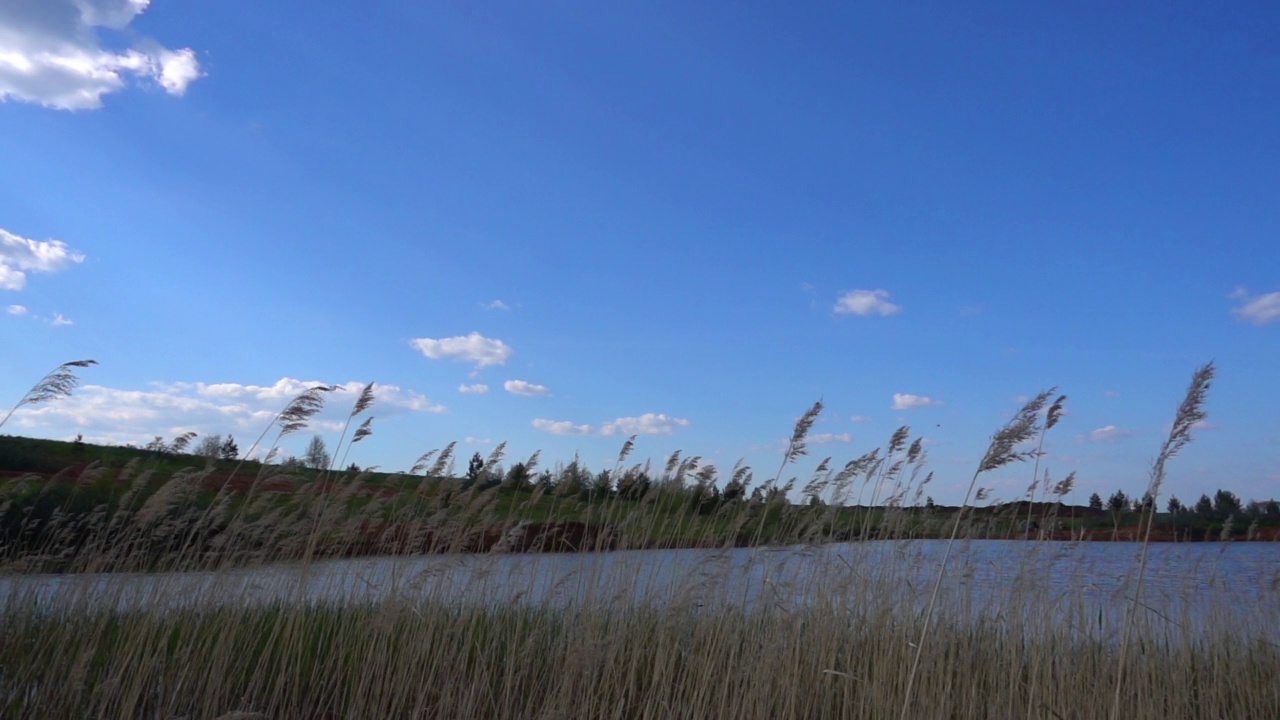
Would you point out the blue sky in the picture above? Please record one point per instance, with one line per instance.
(684, 220)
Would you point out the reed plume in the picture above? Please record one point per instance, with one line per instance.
(1190, 413)
(57, 384)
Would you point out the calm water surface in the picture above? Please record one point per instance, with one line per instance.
(1184, 583)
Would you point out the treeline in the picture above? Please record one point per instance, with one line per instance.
(1224, 513)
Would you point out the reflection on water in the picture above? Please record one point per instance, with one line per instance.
(1184, 583)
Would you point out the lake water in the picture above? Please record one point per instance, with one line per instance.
(1185, 586)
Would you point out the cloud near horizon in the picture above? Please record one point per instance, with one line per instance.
(906, 401)
(561, 427)
(866, 302)
(1256, 309)
(646, 424)
(528, 389)
(20, 255)
(1106, 433)
(824, 438)
(51, 53)
(116, 415)
(472, 347)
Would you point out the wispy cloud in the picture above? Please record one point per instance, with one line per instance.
(1106, 433)
(561, 427)
(19, 255)
(823, 438)
(528, 389)
(859, 418)
(646, 424)
(51, 53)
(1257, 309)
(495, 305)
(472, 347)
(866, 302)
(16, 310)
(475, 388)
(905, 401)
(60, 320)
(1111, 393)
(470, 440)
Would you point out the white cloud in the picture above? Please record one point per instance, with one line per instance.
(561, 427)
(60, 320)
(473, 347)
(16, 310)
(646, 424)
(1107, 432)
(521, 387)
(1257, 309)
(903, 401)
(19, 256)
(859, 418)
(866, 302)
(476, 388)
(51, 53)
(470, 440)
(495, 305)
(824, 438)
(116, 415)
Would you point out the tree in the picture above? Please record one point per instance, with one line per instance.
(633, 484)
(776, 495)
(1095, 502)
(1118, 502)
(573, 479)
(602, 484)
(517, 477)
(705, 499)
(1147, 504)
(734, 490)
(229, 449)
(1175, 505)
(1204, 508)
(475, 469)
(1225, 504)
(210, 446)
(317, 455)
